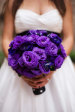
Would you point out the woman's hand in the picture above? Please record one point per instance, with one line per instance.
(38, 81)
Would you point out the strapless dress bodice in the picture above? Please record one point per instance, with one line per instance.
(27, 19)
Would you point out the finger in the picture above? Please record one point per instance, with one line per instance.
(42, 84)
(32, 85)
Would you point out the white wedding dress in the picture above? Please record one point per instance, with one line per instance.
(16, 95)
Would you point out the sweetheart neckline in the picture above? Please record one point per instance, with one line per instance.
(40, 15)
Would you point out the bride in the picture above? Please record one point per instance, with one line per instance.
(16, 92)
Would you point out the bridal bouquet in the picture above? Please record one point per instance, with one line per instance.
(36, 52)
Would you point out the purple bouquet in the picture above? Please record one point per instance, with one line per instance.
(36, 52)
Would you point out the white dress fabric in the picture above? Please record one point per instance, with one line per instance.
(16, 95)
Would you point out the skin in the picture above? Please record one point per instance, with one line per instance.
(40, 7)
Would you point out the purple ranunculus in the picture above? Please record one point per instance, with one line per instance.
(43, 41)
(12, 62)
(51, 49)
(40, 53)
(62, 51)
(44, 67)
(55, 38)
(30, 59)
(58, 62)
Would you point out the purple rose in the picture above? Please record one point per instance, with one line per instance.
(51, 49)
(55, 38)
(43, 41)
(30, 59)
(40, 53)
(58, 62)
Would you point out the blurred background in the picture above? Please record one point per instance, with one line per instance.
(72, 54)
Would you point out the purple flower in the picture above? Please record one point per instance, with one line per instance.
(30, 38)
(30, 59)
(58, 62)
(18, 41)
(51, 49)
(55, 38)
(36, 71)
(26, 47)
(28, 74)
(40, 53)
(43, 41)
(62, 51)
(11, 43)
(25, 72)
(11, 51)
(33, 32)
(16, 56)
(44, 67)
(52, 66)
(41, 32)
(20, 61)
(12, 62)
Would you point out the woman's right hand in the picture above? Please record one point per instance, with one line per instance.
(38, 81)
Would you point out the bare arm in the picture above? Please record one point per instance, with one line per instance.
(68, 28)
(8, 29)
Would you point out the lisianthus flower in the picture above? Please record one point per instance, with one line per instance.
(20, 61)
(51, 49)
(55, 38)
(44, 67)
(41, 32)
(33, 32)
(11, 51)
(58, 62)
(26, 47)
(40, 53)
(30, 59)
(62, 51)
(11, 43)
(43, 41)
(18, 41)
(36, 72)
(12, 62)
